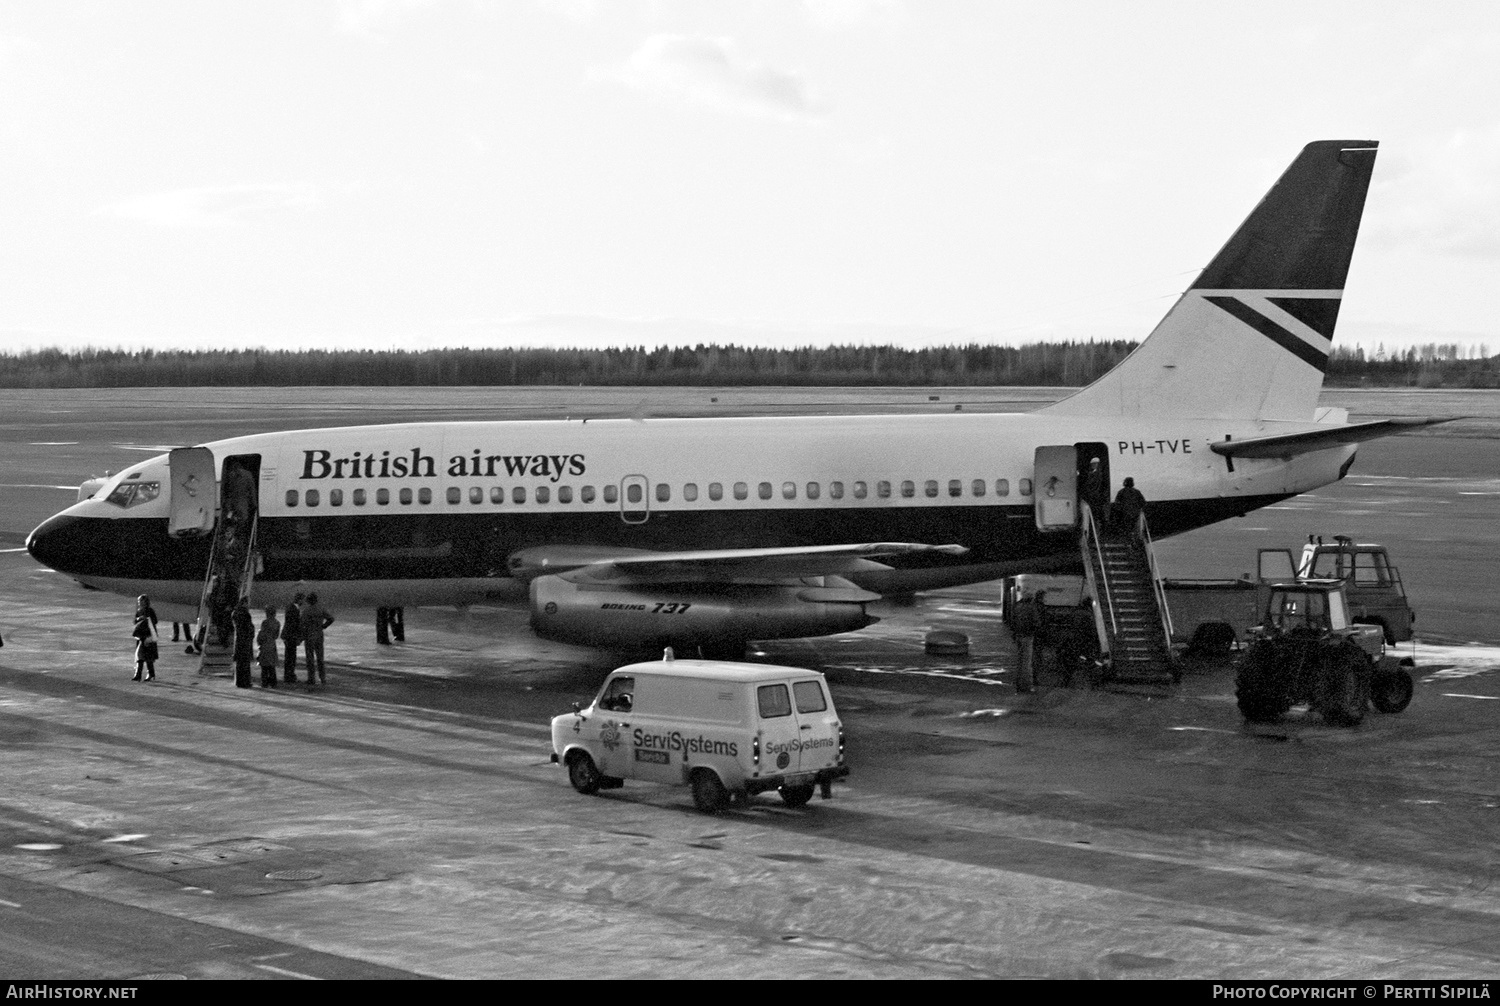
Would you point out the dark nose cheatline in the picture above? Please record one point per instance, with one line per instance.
(46, 541)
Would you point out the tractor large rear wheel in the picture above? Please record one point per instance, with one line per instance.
(1261, 686)
(1342, 690)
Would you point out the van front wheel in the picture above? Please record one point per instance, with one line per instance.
(583, 773)
(796, 796)
(709, 794)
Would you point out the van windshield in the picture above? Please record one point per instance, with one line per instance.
(618, 696)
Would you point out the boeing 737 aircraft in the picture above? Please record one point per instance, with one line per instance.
(716, 531)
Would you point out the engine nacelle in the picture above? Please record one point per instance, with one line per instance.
(652, 615)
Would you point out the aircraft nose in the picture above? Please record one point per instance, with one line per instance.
(54, 541)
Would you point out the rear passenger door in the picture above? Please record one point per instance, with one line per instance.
(817, 726)
(780, 738)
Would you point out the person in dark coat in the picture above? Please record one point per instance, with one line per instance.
(146, 649)
(244, 644)
(1130, 503)
(265, 648)
(315, 618)
(291, 635)
(1093, 489)
(1025, 623)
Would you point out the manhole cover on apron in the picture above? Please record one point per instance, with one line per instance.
(294, 875)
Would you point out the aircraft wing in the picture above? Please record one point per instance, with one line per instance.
(1289, 445)
(600, 564)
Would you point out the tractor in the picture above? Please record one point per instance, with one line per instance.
(1306, 651)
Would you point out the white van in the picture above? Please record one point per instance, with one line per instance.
(722, 728)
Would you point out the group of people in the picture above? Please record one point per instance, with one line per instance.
(306, 620)
(1067, 633)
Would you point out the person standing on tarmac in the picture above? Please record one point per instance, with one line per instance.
(244, 643)
(1025, 622)
(265, 648)
(291, 635)
(315, 618)
(146, 649)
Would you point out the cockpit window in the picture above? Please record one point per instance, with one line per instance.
(129, 494)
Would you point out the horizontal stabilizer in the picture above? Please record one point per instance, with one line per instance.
(1288, 445)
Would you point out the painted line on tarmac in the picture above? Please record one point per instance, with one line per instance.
(1461, 695)
(284, 971)
(10, 904)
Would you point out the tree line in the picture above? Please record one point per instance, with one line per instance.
(1067, 364)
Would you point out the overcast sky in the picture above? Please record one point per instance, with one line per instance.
(417, 173)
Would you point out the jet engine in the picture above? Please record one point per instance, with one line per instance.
(711, 615)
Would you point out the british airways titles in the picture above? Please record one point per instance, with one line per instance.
(417, 465)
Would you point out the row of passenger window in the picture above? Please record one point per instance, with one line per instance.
(635, 492)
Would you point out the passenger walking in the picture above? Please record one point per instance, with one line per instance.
(1093, 489)
(315, 618)
(265, 648)
(291, 635)
(1130, 503)
(146, 648)
(244, 643)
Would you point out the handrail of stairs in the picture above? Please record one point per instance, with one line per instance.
(1091, 535)
(1144, 530)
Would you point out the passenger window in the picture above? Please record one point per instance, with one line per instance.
(774, 701)
(956, 487)
(618, 696)
(690, 492)
(836, 490)
(586, 494)
(497, 494)
(978, 487)
(788, 490)
(663, 492)
(809, 697)
(455, 494)
(564, 494)
(1025, 487)
(518, 494)
(813, 492)
(633, 493)
(716, 491)
(1002, 487)
(125, 492)
(312, 497)
(543, 494)
(335, 497)
(908, 488)
(860, 490)
(611, 494)
(359, 497)
(883, 489)
(764, 489)
(406, 497)
(476, 494)
(930, 487)
(741, 491)
(383, 497)
(424, 495)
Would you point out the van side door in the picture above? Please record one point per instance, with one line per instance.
(610, 726)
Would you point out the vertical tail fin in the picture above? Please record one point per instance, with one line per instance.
(1250, 338)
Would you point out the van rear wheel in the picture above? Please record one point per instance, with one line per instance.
(709, 794)
(796, 796)
(583, 773)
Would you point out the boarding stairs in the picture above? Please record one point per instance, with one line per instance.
(1130, 610)
(230, 564)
